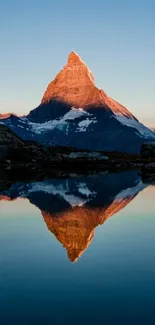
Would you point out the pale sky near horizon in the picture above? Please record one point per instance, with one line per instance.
(114, 37)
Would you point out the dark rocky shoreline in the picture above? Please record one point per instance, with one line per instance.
(20, 157)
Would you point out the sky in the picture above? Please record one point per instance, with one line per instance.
(114, 37)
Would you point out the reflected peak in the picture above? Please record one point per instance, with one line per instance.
(73, 207)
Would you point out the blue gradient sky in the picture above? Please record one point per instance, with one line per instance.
(114, 37)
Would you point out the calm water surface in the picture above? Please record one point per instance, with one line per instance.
(78, 250)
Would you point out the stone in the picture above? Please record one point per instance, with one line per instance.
(148, 150)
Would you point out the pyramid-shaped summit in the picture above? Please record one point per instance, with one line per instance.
(75, 85)
(74, 58)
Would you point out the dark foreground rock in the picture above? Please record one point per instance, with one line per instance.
(148, 150)
(148, 173)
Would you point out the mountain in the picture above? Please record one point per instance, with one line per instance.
(73, 207)
(75, 113)
(3, 116)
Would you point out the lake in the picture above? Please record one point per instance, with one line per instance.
(78, 250)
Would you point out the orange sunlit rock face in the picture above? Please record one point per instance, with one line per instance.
(5, 115)
(75, 85)
(75, 228)
(5, 198)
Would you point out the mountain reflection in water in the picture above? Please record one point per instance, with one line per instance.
(74, 206)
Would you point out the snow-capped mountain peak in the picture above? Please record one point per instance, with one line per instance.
(75, 113)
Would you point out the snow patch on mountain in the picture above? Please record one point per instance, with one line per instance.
(82, 126)
(64, 192)
(73, 114)
(130, 122)
(131, 191)
(84, 190)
